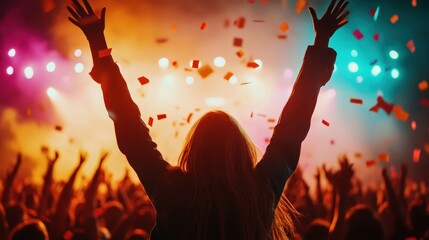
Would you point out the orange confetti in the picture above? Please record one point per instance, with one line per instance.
(205, 71)
(161, 116)
(240, 53)
(358, 155)
(416, 155)
(394, 19)
(325, 122)
(413, 125)
(175, 64)
(423, 85)
(426, 146)
(281, 36)
(238, 42)
(143, 80)
(188, 119)
(414, 3)
(150, 121)
(400, 114)
(271, 120)
(104, 53)
(161, 40)
(284, 27)
(411, 46)
(356, 100)
(195, 63)
(58, 128)
(245, 83)
(258, 21)
(384, 157)
(228, 75)
(300, 5)
(370, 163)
(252, 64)
(203, 26)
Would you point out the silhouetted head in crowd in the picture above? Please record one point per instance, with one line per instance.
(112, 213)
(362, 224)
(34, 230)
(418, 217)
(15, 214)
(137, 234)
(318, 229)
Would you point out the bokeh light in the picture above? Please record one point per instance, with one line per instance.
(395, 73)
(189, 80)
(353, 67)
(29, 72)
(233, 80)
(79, 67)
(219, 62)
(163, 63)
(394, 54)
(354, 53)
(11, 52)
(376, 70)
(9, 70)
(50, 67)
(78, 52)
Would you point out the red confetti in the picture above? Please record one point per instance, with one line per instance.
(384, 157)
(413, 125)
(240, 22)
(370, 163)
(372, 12)
(195, 63)
(161, 116)
(161, 40)
(427, 148)
(203, 26)
(240, 53)
(381, 103)
(376, 37)
(411, 46)
(325, 122)
(356, 100)
(104, 53)
(175, 64)
(143, 80)
(424, 102)
(332, 142)
(400, 114)
(416, 155)
(188, 119)
(358, 35)
(238, 42)
(281, 36)
(58, 128)
(150, 121)
(228, 75)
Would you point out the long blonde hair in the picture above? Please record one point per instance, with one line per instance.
(220, 158)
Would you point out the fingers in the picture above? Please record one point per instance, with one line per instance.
(337, 7)
(343, 16)
(79, 9)
(88, 7)
(103, 13)
(341, 9)
(331, 6)
(74, 21)
(313, 14)
(73, 13)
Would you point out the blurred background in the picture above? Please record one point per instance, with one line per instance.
(254, 50)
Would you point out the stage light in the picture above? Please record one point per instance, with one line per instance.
(219, 62)
(163, 63)
(354, 53)
(51, 92)
(9, 70)
(359, 79)
(375, 70)
(353, 67)
(78, 68)
(214, 101)
(29, 72)
(288, 73)
(394, 54)
(395, 73)
(260, 63)
(189, 80)
(233, 80)
(77, 52)
(50, 67)
(11, 52)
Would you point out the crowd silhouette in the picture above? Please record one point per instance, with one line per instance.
(219, 190)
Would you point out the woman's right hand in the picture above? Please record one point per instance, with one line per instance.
(90, 24)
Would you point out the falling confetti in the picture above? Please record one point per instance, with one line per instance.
(143, 80)
(238, 42)
(150, 121)
(394, 19)
(284, 27)
(423, 85)
(240, 22)
(203, 26)
(416, 155)
(205, 71)
(240, 53)
(370, 163)
(411, 46)
(384, 157)
(356, 101)
(325, 122)
(400, 114)
(300, 5)
(358, 34)
(381, 103)
(376, 37)
(228, 75)
(195, 63)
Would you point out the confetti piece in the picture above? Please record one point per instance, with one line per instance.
(238, 42)
(377, 12)
(245, 83)
(424, 102)
(143, 80)
(300, 5)
(240, 53)
(384, 157)
(195, 63)
(262, 115)
(332, 142)
(358, 155)
(393, 172)
(414, 3)
(228, 75)
(413, 125)
(281, 36)
(356, 100)
(176, 134)
(44, 149)
(205, 71)
(373, 62)
(161, 40)
(175, 64)
(325, 122)
(240, 22)
(251, 115)
(284, 27)
(150, 121)
(372, 12)
(358, 35)
(188, 119)
(104, 53)
(203, 26)
(252, 64)
(226, 23)
(394, 19)
(376, 37)
(423, 85)
(416, 155)
(411, 46)
(161, 116)
(400, 114)
(259, 21)
(251, 1)
(426, 146)
(381, 103)
(58, 128)
(271, 120)
(370, 163)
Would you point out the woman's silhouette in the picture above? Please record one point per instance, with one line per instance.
(219, 191)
